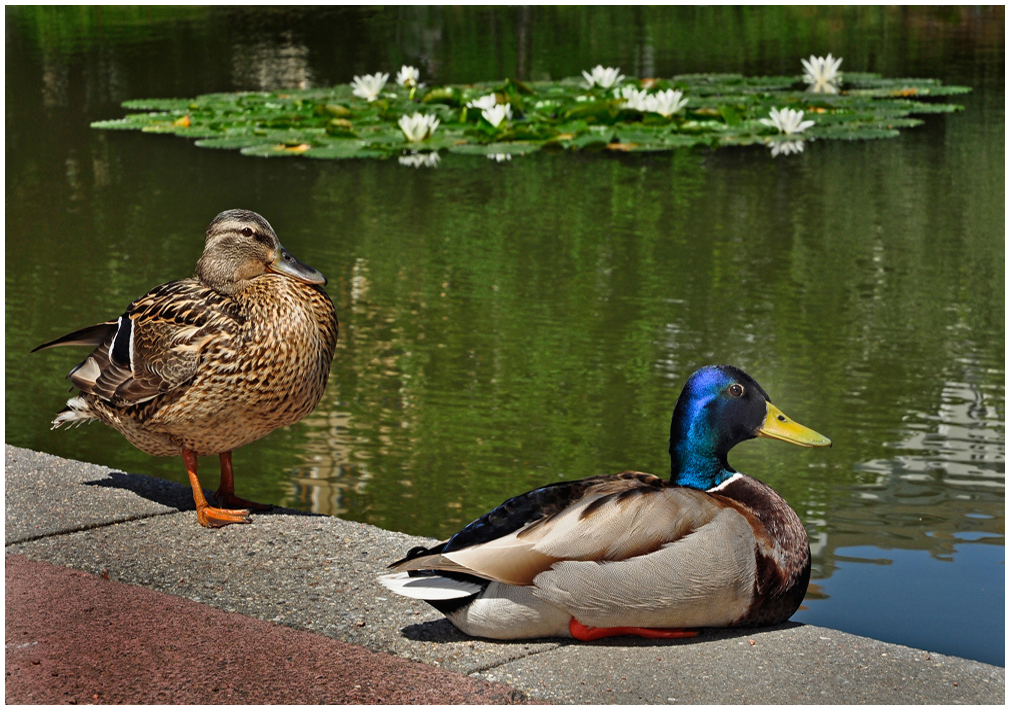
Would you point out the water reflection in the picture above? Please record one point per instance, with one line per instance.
(55, 79)
(958, 463)
(785, 148)
(963, 445)
(272, 65)
(319, 483)
(420, 160)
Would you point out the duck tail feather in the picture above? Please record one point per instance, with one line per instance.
(76, 413)
(429, 588)
(93, 336)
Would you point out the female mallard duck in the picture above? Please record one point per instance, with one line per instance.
(207, 364)
(631, 553)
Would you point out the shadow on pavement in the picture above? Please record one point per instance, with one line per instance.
(153, 489)
(442, 631)
(170, 494)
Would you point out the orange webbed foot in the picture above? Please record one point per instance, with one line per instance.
(219, 517)
(207, 515)
(591, 633)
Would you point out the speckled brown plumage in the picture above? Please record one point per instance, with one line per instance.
(208, 364)
(250, 363)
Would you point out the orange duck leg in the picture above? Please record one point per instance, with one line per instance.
(225, 495)
(207, 516)
(591, 633)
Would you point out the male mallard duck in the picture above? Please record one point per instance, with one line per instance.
(207, 364)
(632, 553)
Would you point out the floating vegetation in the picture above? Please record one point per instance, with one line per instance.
(602, 110)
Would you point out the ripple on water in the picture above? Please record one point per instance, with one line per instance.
(963, 445)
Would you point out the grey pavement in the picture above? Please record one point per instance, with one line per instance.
(317, 573)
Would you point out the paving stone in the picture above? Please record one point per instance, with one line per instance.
(48, 495)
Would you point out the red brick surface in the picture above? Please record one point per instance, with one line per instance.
(72, 637)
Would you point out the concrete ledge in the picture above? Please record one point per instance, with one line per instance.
(317, 574)
(47, 495)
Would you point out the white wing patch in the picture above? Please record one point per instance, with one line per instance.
(133, 334)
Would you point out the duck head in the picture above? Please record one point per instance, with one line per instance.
(719, 407)
(240, 245)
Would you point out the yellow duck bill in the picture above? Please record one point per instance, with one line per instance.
(778, 426)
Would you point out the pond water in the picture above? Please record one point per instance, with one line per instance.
(506, 325)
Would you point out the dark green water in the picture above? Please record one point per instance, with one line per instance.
(508, 325)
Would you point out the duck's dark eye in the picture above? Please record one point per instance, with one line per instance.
(247, 231)
(736, 390)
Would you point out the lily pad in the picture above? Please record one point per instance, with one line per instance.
(516, 148)
(278, 150)
(233, 142)
(158, 104)
(558, 116)
(116, 124)
(345, 149)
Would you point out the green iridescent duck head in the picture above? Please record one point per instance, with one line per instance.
(719, 407)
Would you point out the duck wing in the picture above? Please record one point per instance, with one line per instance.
(627, 550)
(599, 520)
(155, 346)
(685, 560)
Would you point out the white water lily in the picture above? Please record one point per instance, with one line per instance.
(407, 76)
(628, 91)
(499, 157)
(369, 85)
(603, 78)
(787, 120)
(822, 74)
(634, 98)
(418, 127)
(496, 114)
(420, 160)
(786, 147)
(666, 103)
(484, 102)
